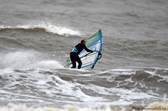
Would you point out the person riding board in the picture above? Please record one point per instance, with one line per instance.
(76, 51)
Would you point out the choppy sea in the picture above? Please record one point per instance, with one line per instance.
(36, 37)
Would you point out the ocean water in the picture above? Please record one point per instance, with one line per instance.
(36, 38)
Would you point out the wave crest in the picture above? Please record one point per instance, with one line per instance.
(48, 27)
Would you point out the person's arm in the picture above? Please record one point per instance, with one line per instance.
(88, 50)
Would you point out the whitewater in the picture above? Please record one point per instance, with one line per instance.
(36, 38)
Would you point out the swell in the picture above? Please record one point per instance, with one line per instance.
(48, 27)
(60, 40)
(80, 86)
(140, 79)
(10, 41)
(141, 49)
(36, 37)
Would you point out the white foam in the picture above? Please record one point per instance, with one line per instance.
(6, 70)
(123, 93)
(51, 85)
(27, 60)
(129, 95)
(154, 73)
(40, 81)
(119, 71)
(49, 64)
(79, 70)
(18, 59)
(23, 107)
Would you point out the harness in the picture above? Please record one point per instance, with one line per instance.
(75, 50)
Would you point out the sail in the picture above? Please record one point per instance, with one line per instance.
(89, 60)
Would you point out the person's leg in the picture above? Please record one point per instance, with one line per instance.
(79, 62)
(73, 60)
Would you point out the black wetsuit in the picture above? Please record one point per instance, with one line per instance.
(75, 52)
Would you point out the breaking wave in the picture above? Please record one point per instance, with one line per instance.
(48, 27)
(156, 106)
